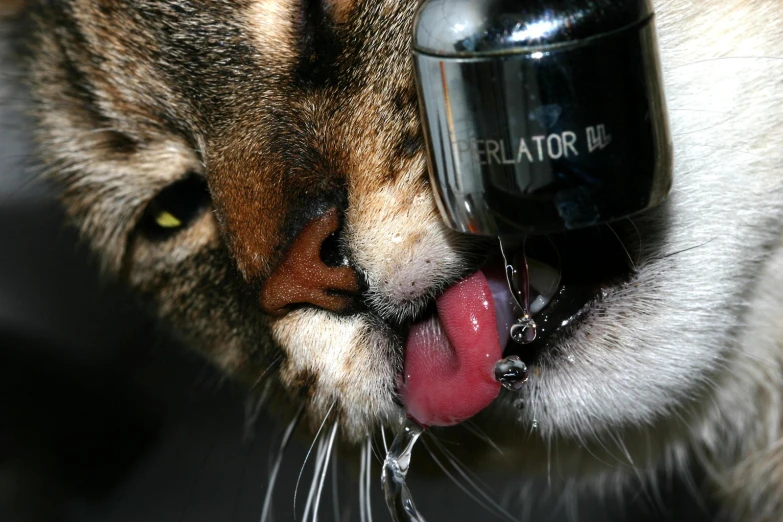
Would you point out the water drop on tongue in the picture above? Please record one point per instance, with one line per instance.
(511, 372)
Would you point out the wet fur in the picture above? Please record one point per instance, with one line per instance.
(286, 111)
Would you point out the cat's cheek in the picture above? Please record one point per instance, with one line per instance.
(189, 284)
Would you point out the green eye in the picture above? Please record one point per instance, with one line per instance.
(175, 208)
(166, 219)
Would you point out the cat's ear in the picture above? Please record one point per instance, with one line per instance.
(9, 8)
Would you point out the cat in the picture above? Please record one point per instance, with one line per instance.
(255, 171)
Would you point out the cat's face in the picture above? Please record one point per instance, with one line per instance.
(301, 119)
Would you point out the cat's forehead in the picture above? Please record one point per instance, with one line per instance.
(224, 58)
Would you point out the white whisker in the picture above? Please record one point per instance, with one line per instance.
(315, 439)
(265, 511)
(326, 461)
(625, 248)
(362, 504)
(319, 463)
(255, 401)
(638, 472)
(383, 436)
(335, 495)
(368, 473)
(485, 501)
(475, 430)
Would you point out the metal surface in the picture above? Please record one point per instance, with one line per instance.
(466, 27)
(543, 139)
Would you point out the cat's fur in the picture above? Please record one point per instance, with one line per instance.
(288, 107)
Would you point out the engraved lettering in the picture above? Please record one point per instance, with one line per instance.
(605, 138)
(597, 139)
(478, 145)
(492, 152)
(539, 141)
(534, 149)
(523, 150)
(506, 160)
(554, 146)
(569, 142)
(463, 146)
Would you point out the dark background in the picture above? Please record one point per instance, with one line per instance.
(102, 418)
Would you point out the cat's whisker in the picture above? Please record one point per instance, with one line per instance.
(335, 485)
(326, 462)
(482, 499)
(266, 510)
(584, 444)
(268, 369)
(374, 451)
(686, 249)
(367, 479)
(475, 430)
(362, 503)
(256, 401)
(254, 404)
(638, 235)
(643, 482)
(383, 437)
(463, 469)
(18, 192)
(624, 450)
(618, 461)
(622, 244)
(320, 457)
(310, 450)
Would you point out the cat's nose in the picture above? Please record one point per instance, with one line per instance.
(311, 273)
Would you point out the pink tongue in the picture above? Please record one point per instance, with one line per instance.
(450, 359)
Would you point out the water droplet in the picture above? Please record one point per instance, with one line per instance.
(535, 424)
(511, 372)
(395, 469)
(571, 358)
(524, 330)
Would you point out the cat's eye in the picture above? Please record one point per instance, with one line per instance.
(175, 208)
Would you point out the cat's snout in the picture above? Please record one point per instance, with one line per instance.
(312, 272)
